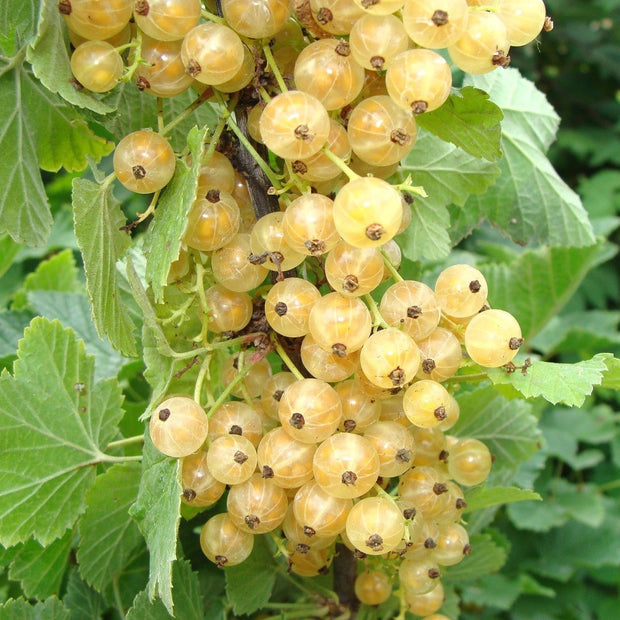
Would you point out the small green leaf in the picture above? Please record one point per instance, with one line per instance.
(12, 326)
(492, 591)
(18, 609)
(8, 251)
(41, 569)
(487, 556)
(530, 202)
(140, 111)
(589, 331)
(611, 378)
(536, 285)
(157, 511)
(49, 55)
(73, 310)
(82, 601)
(98, 220)
(18, 21)
(163, 238)
(187, 598)
(24, 208)
(58, 273)
(469, 120)
(108, 535)
(507, 427)
(482, 497)
(249, 584)
(51, 440)
(448, 174)
(558, 383)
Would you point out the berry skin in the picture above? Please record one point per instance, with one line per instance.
(223, 542)
(144, 161)
(367, 212)
(346, 465)
(493, 338)
(166, 20)
(97, 66)
(373, 588)
(375, 525)
(179, 426)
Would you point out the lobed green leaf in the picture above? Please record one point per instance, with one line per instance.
(51, 441)
(449, 175)
(469, 120)
(74, 311)
(558, 383)
(41, 570)
(537, 284)
(18, 21)
(82, 601)
(529, 202)
(18, 609)
(507, 427)
(98, 223)
(157, 511)
(58, 273)
(108, 535)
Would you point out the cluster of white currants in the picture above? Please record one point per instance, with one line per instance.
(354, 446)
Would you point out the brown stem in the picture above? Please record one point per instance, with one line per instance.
(345, 572)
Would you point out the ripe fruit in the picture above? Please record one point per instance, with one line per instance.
(97, 66)
(367, 212)
(294, 125)
(144, 161)
(178, 426)
(223, 542)
(346, 465)
(375, 525)
(493, 338)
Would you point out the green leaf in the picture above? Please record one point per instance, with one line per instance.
(17, 24)
(73, 310)
(98, 220)
(49, 56)
(558, 383)
(82, 601)
(12, 325)
(249, 584)
(449, 175)
(611, 378)
(140, 111)
(493, 591)
(51, 440)
(18, 609)
(24, 209)
(482, 497)
(41, 569)
(576, 545)
(157, 511)
(108, 534)
(58, 273)
(63, 138)
(487, 556)
(507, 427)
(529, 202)
(187, 598)
(163, 238)
(588, 331)
(537, 284)
(8, 251)
(469, 120)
